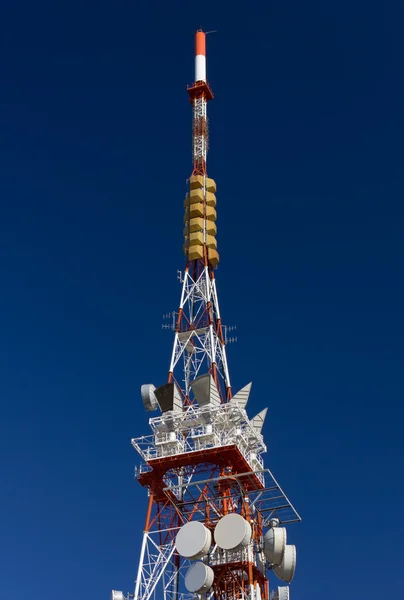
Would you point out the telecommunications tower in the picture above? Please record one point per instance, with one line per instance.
(216, 517)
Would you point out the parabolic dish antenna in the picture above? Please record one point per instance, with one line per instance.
(199, 578)
(286, 569)
(274, 545)
(232, 531)
(148, 397)
(193, 540)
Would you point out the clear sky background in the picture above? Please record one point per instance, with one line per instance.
(307, 136)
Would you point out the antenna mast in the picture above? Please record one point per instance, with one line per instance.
(216, 517)
(199, 342)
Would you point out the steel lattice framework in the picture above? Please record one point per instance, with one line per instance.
(203, 458)
(212, 465)
(199, 341)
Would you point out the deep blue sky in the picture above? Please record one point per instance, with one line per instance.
(307, 136)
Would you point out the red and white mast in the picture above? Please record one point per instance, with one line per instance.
(200, 56)
(200, 93)
(199, 344)
(215, 522)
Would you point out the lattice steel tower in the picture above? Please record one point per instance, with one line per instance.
(215, 521)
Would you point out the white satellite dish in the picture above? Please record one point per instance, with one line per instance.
(193, 540)
(148, 397)
(274, 545)
(286, 569)
(232, 531)
(117, 595)
(199, 578)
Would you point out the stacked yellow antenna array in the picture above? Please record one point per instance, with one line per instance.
(199, 219)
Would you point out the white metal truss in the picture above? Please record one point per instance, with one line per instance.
(199, 429)
(158, 571)
(160, 576)
(270, 500)
(197, 342)
(200, 131)
(155, 560)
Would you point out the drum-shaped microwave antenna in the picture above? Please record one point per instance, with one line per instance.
(274, 545)
(286, 569)
(148, 397)
(117, 595)
(232, 531)
(193, 540)
(199, 578)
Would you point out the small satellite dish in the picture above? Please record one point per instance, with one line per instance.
(232, 531)
(193, 540)
(148, 397)
(199, 578)
(286, 569)
(274, 545)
